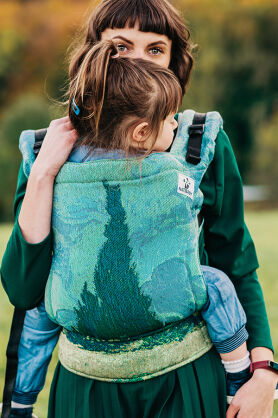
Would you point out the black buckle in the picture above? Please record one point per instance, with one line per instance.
(37, 146)
(196, 129)
(39, 137)
(193, 159)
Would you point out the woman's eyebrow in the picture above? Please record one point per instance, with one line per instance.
(157, 42)
(124, 39)
(131, 43)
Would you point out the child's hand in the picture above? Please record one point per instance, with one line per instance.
(255, 398)
(56, 147)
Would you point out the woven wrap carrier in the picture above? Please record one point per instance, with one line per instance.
(125, 276)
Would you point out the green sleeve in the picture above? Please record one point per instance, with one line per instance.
(225, 242)
(25, 267)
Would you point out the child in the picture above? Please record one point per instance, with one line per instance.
(223, 313)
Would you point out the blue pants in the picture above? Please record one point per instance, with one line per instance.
(223, 314)
(38, 340)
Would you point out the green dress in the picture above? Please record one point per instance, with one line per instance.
(195, 390)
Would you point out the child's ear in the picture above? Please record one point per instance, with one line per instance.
(139, 132)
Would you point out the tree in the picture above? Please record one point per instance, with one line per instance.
(247, 92)
(118, 308)
(11, 53)
(265, 168)
(29, 111)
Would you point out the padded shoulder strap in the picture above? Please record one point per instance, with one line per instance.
(26, 142)
(29, 144)
(194, 143)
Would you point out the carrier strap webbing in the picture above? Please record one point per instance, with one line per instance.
(16, 327)
(194, 147)
(39, 137)
(196, 131)
(12, 360)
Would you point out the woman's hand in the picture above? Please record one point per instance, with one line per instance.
(255, 398)
(56, 147)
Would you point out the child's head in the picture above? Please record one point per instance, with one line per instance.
(133, 20)
(124, 103)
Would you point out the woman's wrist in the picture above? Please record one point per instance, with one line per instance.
(41, 174)
(266, 376)
(260, 354)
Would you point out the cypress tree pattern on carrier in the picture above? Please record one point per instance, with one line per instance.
(119, 309)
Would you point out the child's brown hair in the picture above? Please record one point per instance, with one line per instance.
(115, 93)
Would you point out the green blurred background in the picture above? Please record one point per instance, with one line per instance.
(235, 73)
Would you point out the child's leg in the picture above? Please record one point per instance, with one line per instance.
(38, 339)
(226, 322)
(223, 312)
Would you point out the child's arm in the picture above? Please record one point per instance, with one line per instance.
(223, 313)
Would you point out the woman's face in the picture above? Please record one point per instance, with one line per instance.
(133, 43)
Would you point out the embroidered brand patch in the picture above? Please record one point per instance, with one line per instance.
(185, 185)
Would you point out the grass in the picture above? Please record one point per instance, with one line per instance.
(264, 230)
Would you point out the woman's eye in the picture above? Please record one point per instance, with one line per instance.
(121, 48)
(156, 51)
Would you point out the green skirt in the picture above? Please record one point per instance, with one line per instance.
(195, 390)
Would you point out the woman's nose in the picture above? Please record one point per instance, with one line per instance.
(139, 53)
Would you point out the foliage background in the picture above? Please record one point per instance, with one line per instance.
(235, 73)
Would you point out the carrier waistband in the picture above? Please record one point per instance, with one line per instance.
(137, 359)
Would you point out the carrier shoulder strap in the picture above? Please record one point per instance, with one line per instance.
(196, 131)
(17, 326)
(194, 147)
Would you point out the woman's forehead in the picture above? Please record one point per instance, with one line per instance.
(135, 36)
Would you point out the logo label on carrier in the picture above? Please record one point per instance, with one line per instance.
(185, 185)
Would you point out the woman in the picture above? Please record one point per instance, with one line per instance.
(150, 30)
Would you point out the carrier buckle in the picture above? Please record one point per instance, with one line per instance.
(196, 129)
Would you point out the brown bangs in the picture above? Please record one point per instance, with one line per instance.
(152, 16)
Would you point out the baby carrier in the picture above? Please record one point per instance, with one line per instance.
(125, 275)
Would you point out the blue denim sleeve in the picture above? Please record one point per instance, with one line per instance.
(38, 340)
(223, 312)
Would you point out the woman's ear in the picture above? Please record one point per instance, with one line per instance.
(139, 132)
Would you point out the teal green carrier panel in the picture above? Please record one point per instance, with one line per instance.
(126, 258)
